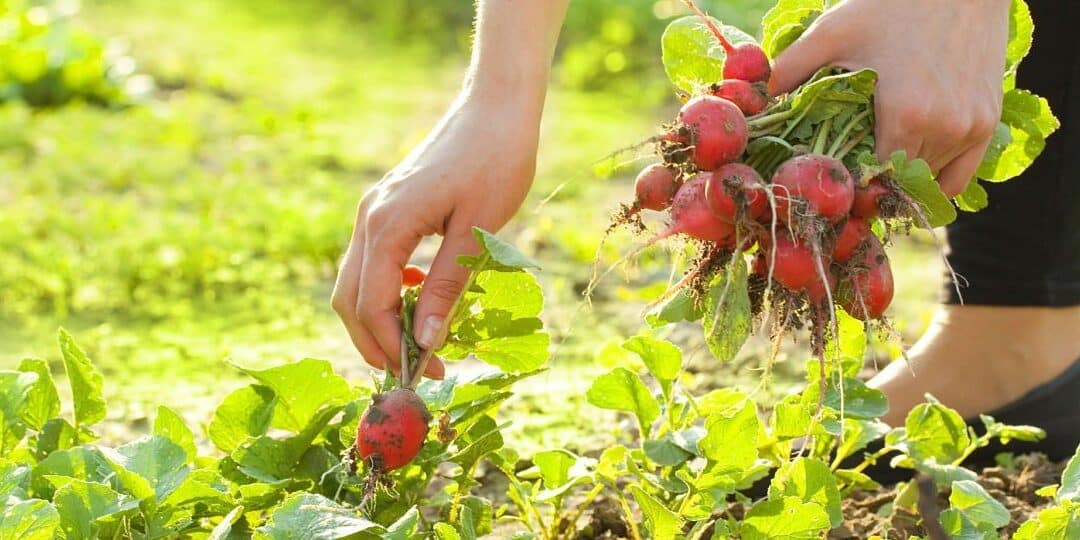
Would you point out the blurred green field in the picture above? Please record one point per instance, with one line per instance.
(204, 223)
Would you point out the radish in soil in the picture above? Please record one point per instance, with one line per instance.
(851, 236)
(822, 183)
(718, 131)
(392, 430)
(736, 190)
(655, 187)
(868, 289)
(750, 98)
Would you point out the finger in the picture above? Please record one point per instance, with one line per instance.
(387, 249)
(812, 51)
(344, 303)
(442, 287)
(891, 134)
(955, 176)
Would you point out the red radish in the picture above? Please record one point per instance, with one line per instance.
(412, 276)
(718, 130)
(745, 61)
(868, 291)
(759, 266)
(868, 199)
(750, 98)
(690, 215)
(735, 186)
(393, 429)
(655, 187)
(792, 264)
(815, 290)
(851, 236)
(821, 181)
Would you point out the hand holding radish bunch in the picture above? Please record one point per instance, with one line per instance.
(808, 181)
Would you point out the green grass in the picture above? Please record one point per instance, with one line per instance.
(205, 225)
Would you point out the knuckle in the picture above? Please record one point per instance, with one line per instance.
(339, 304)
(379, 216)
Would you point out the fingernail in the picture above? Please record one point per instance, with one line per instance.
(429, 332)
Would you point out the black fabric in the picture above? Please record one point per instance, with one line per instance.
(1024, 249)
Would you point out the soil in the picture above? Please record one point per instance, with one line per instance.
(866, 514)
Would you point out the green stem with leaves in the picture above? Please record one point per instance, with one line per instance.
(455, 312)
(842, 138)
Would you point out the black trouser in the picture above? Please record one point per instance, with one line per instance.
(1024, 249)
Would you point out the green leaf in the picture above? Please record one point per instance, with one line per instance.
(977, 505)
(916, 179)
(680, 307)
(445, 531)
(269, 459)
(13, 480)
(856, 401)
(481, 439)
(15, 388)
(83, 506)
(786, 21)
(665, 452)
(974, 197)
(405, 528)
(42, 401)
(33, 519)
(223, 529)
(622, 390)
(858, 434)
(958, 527)
(788, 518)
(692, 55)
(811, 481)
(205, 488)
(663, 359)
(244, 413)
(170, 425)
(56, 434)
(1070, 480)
(478, 513)
(663, 523)
(852, 341)
(152, 466)
(302, 388)
(730, 441)
(497, 255)
(506, 331)
(1055, 523)
(307, 516)
(934, 431)
(727, 312)
(830, 93)
(85, 382)
(1026, 122)
(554, 466)
(82, 462)
(1021, 33)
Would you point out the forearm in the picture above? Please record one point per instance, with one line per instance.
(512, 53)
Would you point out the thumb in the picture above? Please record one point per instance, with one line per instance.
(441, 288)
(812, 51)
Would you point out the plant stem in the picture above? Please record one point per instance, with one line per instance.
(769, 119)
(842, 138)
(872, 458)
(589, 497)
(794, 124)
(634, 533)
(712, 27)
(858, 138)
(449, 320)
(822, 136)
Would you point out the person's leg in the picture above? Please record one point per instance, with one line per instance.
(1019, 325)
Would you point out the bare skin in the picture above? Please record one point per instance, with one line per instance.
(977, 358)
(939, 98)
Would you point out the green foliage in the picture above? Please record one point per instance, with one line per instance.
(46, 61)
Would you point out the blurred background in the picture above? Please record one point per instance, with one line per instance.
(178, 181)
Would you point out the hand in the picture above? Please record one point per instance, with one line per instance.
(940, 64)
(474, 169)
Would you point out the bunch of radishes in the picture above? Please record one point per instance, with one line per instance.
(801, 213)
